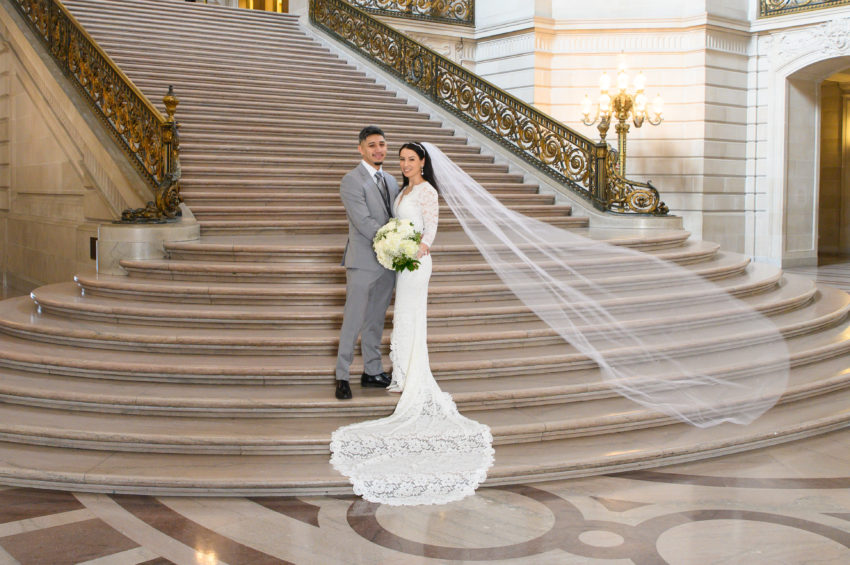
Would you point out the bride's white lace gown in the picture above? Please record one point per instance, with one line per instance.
(425, 452)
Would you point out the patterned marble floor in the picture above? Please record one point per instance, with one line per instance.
(783, 505)
(786, 505)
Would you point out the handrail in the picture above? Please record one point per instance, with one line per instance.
(150, 139)
(585, 167)
(770, 8)
(460, 12)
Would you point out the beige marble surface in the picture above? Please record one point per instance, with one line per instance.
(786, 504)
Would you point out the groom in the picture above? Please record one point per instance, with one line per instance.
(367, 193)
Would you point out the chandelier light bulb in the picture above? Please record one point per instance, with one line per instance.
(621, 61)
(640, 102)
(604, 103)
(604, 82)
(658, 105)
(640, 82)
(622, 80)
(585, 106)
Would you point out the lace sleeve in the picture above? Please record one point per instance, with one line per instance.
(430, 214)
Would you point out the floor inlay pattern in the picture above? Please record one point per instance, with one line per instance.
(788, 504)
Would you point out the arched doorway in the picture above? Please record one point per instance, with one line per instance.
(834, 182)
(787, 159)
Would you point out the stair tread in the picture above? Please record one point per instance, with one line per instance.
(316, 399)
(641, 303)
(17, 314)
(160, 474)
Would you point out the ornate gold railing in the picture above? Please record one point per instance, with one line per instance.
(150, 139)
(445, 11)
(586, 167)
(769, 8)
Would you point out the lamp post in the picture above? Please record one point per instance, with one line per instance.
(621, 102)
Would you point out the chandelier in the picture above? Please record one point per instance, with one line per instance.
(624, 102)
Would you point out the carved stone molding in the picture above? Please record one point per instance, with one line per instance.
(457, 50)
(831, 38)
(505, 46)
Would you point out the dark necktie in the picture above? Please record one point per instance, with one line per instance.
(382, 186)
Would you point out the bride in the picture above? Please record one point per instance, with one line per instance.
(425, 452)
(664, 336)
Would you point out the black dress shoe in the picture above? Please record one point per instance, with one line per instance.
(343, 390)
(375, 381)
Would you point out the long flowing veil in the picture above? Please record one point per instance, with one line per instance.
(660, 333)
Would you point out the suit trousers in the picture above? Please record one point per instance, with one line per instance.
(367, 296)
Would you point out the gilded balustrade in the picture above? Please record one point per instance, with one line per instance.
(150, 139)
(580, 164)
(769, 8)
(444, 11)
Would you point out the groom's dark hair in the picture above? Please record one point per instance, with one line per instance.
(371, 130)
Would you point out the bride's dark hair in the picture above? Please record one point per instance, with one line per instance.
(427, 170)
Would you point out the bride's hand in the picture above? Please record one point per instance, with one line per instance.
(423, 251)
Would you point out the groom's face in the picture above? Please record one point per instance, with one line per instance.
(374, 150)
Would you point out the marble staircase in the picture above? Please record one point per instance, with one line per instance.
(211, 371)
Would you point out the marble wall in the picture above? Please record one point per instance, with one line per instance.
(830, 203)
(5, 169)
(60, 172)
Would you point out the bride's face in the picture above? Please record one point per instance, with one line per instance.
(411, 164)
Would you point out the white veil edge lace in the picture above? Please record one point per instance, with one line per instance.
(660, 333)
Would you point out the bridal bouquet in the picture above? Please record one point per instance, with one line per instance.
(396, 245)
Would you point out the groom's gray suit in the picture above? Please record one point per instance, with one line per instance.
(369, 286)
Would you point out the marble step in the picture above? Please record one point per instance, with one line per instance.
(215, 174)
(246, 211)
(319, 186)
(340, 132)
(66, 300)
(259, 103)
(198, 35)
(477, 277)
(320, 59)
(311, 57)
(570, 395)
(17, 318)
(338, 161)
(352, 94)
(441, 292)
(471, 365)
(287, 227)
(152, 8)
(266, 428)
(671, 246)
(191, 72)
(384, 107)
(319, 168)
(304, 475)
(295, 48)
(147, 25)
(200, 198)
(194, 26)
(338, 148)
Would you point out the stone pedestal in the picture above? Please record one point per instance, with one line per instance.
(116, 242)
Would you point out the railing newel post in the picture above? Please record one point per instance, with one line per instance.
(601, 191)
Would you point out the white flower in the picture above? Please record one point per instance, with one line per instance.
(396, 245)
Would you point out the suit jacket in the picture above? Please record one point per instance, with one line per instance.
(367, 213)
